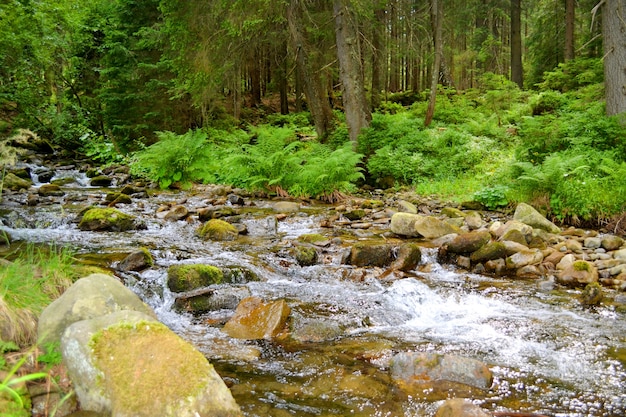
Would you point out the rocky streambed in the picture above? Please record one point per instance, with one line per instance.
(386, 304)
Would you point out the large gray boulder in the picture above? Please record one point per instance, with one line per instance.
(404, 224)
(89, 297)
(126, 364)
(528, 215)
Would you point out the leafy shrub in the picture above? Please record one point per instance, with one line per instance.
(492, 197)
(573, 74)
(547, 102)
(175, 158)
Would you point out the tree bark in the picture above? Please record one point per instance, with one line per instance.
(436, 14)
(314, 90)
(614, 33)
(570, 19)
(517, 70)
(378, 56)
(356, 108)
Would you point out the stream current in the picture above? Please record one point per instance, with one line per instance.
(548, 354)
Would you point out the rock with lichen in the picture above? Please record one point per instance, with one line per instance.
(128, 364)
(188, 277)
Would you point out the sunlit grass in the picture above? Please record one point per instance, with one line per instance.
(32, 280)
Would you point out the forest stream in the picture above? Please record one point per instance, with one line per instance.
(549, 355)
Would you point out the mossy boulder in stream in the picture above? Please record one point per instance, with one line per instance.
(106, 219)
(128, 365)
(371, 254)
(183, 277)
(219, 230)
(578, 274)
(14, 183)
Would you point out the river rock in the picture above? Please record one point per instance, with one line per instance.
(403, 224)
(523, 228)
(513, 247)
(415, 372)
(431, 227)
(458, 407)
(452, 213)
(106, 219)
(235, 200)
(101, 181)
(592, 295)
(89, 297)
(408, 257)
(187, 277)
(488, 252)
(50, 190)
(523, 258)
(211, 299)
(592, 242)
(474, 220)
(371, 254)
(219, 230)
(14, 183)
(136, 261)
(566, 261)
(528, 215)
(354, 215)
(620, 255)
(469, 242)
(127, 364)
(514, 235)
(611, 242)
(304, 255)
(117, 198)
(255, 319)
(578, 274)
(406, 207)
(178, 212)
(286, 207)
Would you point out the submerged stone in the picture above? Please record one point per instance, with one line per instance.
(255, 319)
(438, 374)
(408, 257)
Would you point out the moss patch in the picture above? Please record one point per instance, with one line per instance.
(312, 238)
(216, 229)
(581, 266)
(158, 372)
(181, 278)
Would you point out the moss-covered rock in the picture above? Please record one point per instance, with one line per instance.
(491, 251)
(469, 242)
(304, 255)
(50, 190)
(101, 181)
(353, 215)
(183, 277)
(219, 230)
(578, 274)
(126, 364)
(14, 183)
(118, 198)
(106, 219)
(314, 239)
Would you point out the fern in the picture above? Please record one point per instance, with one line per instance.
(175, 158)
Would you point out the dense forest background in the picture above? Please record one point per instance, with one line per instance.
(491, 100)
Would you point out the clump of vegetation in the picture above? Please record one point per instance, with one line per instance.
(35, 278)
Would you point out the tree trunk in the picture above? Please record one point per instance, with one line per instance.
(314, 90)
(436, 14)
(378, 56)
(614, 33)
(517, 70)
(569, 29)
(356, 108)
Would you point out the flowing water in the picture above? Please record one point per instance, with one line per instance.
(548, 354)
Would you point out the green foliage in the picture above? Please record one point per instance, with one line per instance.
(175, 158)
(52, 355)
(573, 74)
(492, 197)
(100, 149)
(547, 102)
